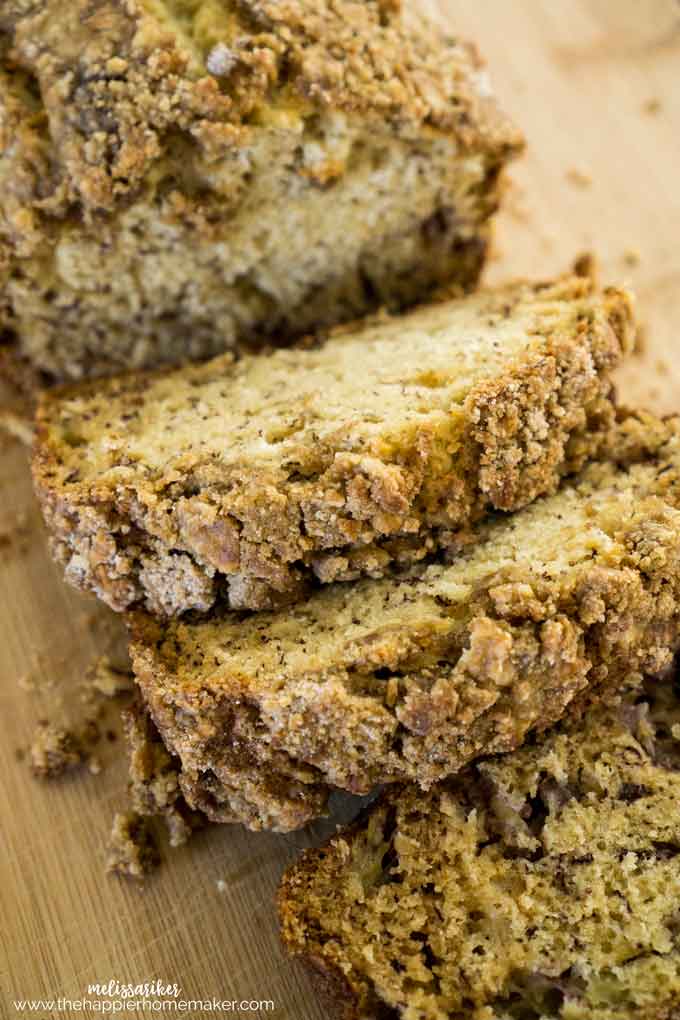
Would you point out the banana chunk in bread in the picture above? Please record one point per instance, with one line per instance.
(241, 481)
(181, 176)
(411, 678)
(544, 885)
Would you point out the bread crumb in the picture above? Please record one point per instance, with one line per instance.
(109, 681)
(56, 750)
(578, 177)
(586, 265)
(15, 535)
(652, 106)
(221, 885)
(631, 257)
(132, 851)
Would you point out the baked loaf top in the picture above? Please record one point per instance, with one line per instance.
(120, 78)
(413, 677)
(539, 886)
(264, 469)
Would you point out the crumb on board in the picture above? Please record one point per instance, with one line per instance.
(90, 732)
(44, 672)
(631, 257)
(15, 534)
(221, 885)
(132, 851)
(652, 106)
(586, 266)
(106, 679)
(578, 177)
(56, 750)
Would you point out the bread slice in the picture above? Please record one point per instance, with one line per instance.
(240, 481)
(544, 885)
(179, 176)
(410, 678)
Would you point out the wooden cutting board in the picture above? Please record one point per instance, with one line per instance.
(595, 85)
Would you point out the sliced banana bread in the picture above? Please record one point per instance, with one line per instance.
(410, 678)
(544, 885)
(177, 176)
(239, 481)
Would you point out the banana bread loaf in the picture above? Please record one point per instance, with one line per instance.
(412, 677)
(241, 481)
(544, 885)
(179, 176)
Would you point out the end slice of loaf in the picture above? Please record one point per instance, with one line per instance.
(544, 885)
(178, 178)
(241, 481)
(411, 678)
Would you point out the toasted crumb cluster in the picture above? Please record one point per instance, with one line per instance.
(56, 750)
(241, 482)
(132, 850)
(412, 677)
(178, 177)
(541, 885)
(107, 679)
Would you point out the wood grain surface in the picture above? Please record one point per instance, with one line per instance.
(596, 87)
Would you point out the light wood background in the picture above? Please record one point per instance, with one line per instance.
(595, 84)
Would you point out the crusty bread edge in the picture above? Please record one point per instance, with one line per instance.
(342, 995)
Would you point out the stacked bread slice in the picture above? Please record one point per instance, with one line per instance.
(509, 545)
(411, 677)
(365, 482)
(386, 555)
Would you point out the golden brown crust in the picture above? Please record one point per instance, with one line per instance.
(343, 992)
(324, 494)
(411, 678)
